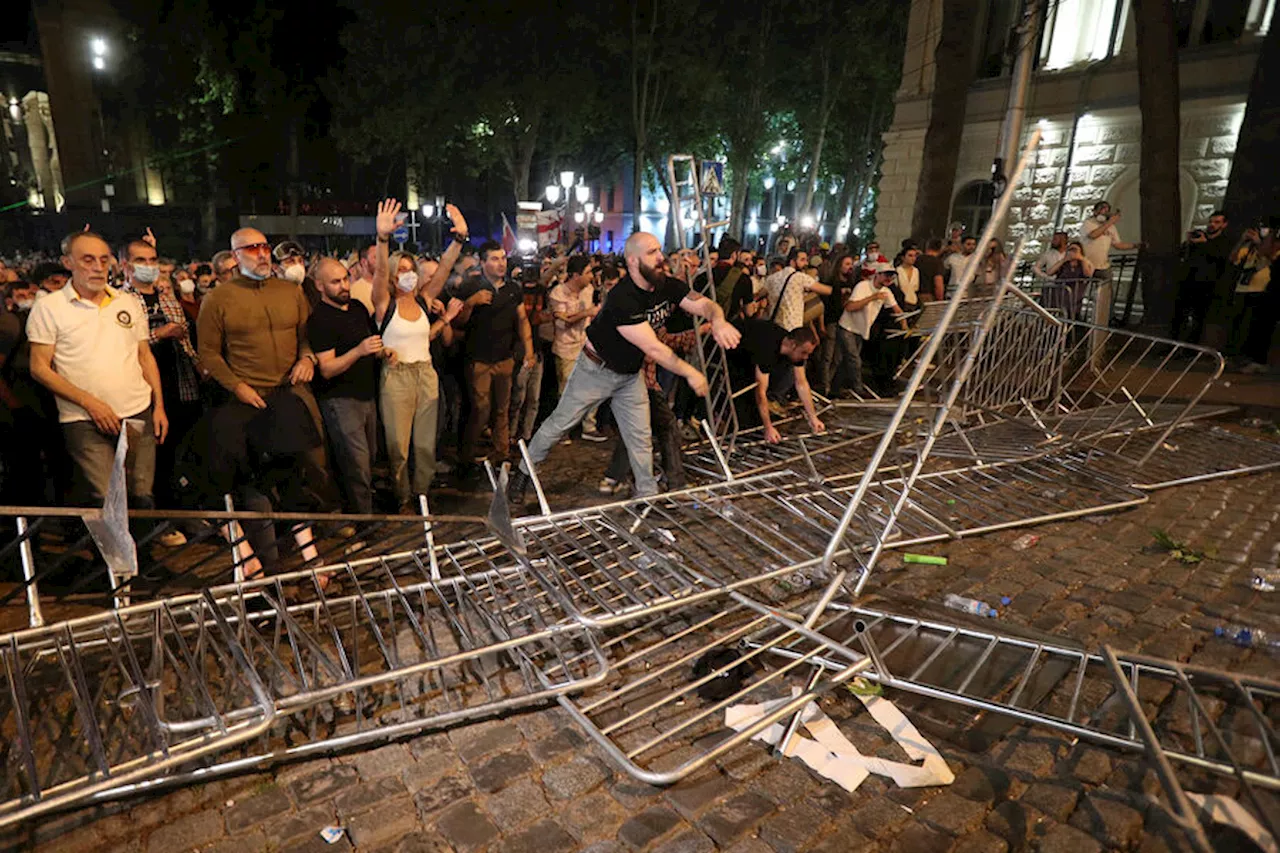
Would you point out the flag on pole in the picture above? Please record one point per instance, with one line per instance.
(548, 227)
(508, 236)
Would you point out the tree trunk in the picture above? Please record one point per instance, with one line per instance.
(953, 73)
(637, 180)
(209, 203)
(1158, 189)
(1255, 181)
(740, 173)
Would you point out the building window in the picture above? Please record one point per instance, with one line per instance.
(1077, 31)
(994, 59)
(1214, 21)
(972, 207)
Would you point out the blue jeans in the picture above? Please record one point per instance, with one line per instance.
(352, 426)
(526, 391)
(589, 385)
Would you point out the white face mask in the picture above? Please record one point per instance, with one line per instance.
(145, 273)
(295, 273)
(407, 282)
(761, 269)
(187, 286)
(24, 304)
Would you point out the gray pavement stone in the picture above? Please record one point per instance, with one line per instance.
(573, 778)
(750, 845)
(952, 813)
(1054, 800)
(880, 818)
(383, 761)
(647, 826)
(596, 816)
(472, 742)
(290, 828)
(693, 794)
(731, 819)
(981, 842)
(366, 795)
(1067, 839)
(562, 742)
(786, 781)
(918, 838)
(422, 841)
(1028, 759)
(323, 784)
(186, 833)
(1108, 819)
(465, 827)
(389, 822)
(543, 837)
(1014, 821)
(605, 847)
(497, 771)
(790, 829)
(444, 793)
(257, 809)
(688, 841)
(518, 804)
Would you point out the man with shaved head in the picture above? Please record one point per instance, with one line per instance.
(619, 339)
(341, 335)
(252, 334)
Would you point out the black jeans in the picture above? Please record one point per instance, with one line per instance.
(666, 438)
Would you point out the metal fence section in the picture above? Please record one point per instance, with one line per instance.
(93, 704)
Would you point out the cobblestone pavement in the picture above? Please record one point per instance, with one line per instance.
(531, 782)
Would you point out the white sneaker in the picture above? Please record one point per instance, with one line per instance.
(594, 435)
(171, 538)
(609, 486)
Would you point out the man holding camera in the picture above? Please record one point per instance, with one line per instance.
(1206, 254)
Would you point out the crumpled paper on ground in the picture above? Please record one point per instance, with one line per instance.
(830, 754)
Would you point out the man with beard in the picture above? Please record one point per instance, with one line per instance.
(346, 389)
(1207, 253)
(618, 340)
(768, 352)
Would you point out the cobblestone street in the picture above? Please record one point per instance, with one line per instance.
(532, 782)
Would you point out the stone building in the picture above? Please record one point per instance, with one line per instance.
(1084, 99)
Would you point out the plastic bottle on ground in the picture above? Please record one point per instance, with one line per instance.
(1265, 580)
(969, 605)
(1243, 635)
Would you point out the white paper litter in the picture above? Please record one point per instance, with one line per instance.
(829, 753)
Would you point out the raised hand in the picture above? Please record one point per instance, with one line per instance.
(149, 238)
(389, 217)
(459, 222)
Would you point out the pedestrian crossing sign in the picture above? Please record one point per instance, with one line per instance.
(712, 178)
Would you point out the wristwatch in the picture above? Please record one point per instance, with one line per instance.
(461, 239)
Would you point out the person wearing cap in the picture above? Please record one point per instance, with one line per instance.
(291, 265)
(858, 322)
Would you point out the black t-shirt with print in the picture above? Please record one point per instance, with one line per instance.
(330, 328)
(630, 305)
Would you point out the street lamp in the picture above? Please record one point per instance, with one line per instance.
(588, 207)
(553, 193)
(807, 222)
(582, 192)
(599, 216)
(566, 179)
(428, 210)
(578, 216)
(769, 182)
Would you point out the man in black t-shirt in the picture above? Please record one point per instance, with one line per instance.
(347, 351)
(932, 272)
(618, 340)
(768, 350)
(498, 332)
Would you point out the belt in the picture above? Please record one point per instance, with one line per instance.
(592, 356)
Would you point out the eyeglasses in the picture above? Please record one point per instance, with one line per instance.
(254, 247)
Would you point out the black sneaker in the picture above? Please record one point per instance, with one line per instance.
(516, 487)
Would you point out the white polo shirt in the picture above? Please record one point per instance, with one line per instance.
(1097, 250)
(95, 348)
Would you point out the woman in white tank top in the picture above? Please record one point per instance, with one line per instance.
(409, 317)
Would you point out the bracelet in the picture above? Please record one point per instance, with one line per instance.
(384, 239)
(461, 239)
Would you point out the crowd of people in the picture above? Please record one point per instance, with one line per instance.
(290, 380)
